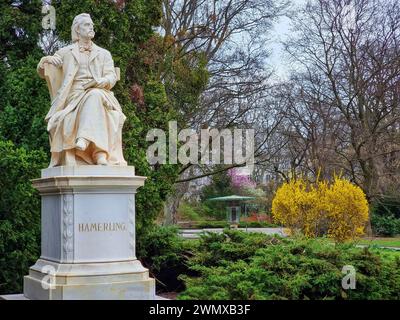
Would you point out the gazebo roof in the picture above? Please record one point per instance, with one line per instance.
(231, 198)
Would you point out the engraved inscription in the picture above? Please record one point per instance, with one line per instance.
(102, 227)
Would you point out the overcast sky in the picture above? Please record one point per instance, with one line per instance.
(279, 33)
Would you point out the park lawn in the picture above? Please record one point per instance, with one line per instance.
(385, 242)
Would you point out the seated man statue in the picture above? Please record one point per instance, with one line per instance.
(85, 119)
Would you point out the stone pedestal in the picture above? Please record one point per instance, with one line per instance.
(88, 236)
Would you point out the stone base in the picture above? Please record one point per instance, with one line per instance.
(127, 280)
(88, 236)
(18, 296)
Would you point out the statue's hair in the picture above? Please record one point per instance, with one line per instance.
(75, 24)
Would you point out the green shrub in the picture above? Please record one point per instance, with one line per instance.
(214, 209)
(164, 253)
(257, 224)
(224, 224)
(211, 224)
(385, 215)
(206, 211)
(387, 205)
(385, 225)
(19, 214)
(236, 265)
(215, 249)
(188, 212)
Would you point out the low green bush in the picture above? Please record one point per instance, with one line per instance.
(211, 224)
(237, 265)
(385, 215)
(256, 224)
(164, 253)
(387, 205)
(215, 249)
(225, 224)
(385, 225)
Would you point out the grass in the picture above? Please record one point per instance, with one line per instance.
(384, 242)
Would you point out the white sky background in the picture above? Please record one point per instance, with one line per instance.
(279, 33)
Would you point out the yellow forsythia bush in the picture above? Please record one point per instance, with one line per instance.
(338, 209)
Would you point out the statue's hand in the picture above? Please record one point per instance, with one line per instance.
(57, 61)
(102, 83)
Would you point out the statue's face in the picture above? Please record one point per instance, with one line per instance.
(85, 29)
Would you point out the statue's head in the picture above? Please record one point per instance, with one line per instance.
(82, 27)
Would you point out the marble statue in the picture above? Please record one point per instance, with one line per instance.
(85, 119)
(88, 194)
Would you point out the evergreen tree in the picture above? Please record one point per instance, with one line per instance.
(23, 139)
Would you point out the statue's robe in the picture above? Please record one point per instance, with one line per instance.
(93, 114)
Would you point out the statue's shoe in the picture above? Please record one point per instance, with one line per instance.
(101, 158)
(82, 144)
